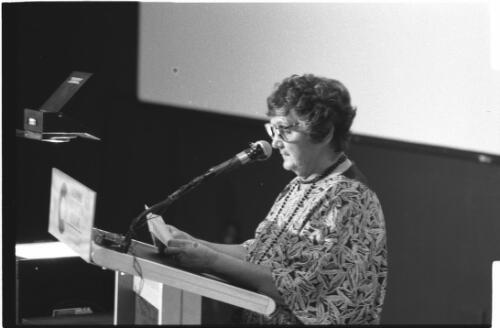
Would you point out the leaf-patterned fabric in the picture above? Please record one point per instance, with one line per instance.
(325, 243)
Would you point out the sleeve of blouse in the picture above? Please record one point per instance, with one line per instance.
(331, 281)
(247, 244)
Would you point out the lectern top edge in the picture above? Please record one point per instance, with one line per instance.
(178, 278)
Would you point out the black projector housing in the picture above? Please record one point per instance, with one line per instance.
(49, 122)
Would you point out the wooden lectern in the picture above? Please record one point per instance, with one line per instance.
(142, 275)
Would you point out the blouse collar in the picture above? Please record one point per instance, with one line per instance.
(341, 165)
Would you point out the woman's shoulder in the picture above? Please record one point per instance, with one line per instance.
(349, 186)
(352, 197)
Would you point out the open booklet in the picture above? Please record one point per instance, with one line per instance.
(160, 233)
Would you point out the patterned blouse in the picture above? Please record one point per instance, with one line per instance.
(325, 243)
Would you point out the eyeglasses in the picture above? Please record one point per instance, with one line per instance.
(284, 132)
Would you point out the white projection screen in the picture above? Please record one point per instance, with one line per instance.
(418, 72)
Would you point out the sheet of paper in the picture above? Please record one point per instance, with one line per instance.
(158, 228)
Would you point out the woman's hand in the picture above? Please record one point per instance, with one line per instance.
(191, 254)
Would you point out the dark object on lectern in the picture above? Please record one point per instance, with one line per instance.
(108, 239)
(49, 123)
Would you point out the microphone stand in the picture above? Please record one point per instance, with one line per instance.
(214, 171)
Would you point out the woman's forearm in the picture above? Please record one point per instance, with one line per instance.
(226, 261)
(234, 250)
(249, 275)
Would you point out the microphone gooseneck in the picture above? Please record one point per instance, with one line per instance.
(258, 151)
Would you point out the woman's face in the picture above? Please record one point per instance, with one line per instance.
(300, 154)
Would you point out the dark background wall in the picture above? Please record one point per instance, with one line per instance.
(441, 206)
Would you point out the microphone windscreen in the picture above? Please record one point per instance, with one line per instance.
(266, 149)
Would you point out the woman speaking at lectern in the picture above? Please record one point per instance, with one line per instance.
(321, 251)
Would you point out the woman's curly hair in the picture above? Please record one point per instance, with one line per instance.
(320, 102)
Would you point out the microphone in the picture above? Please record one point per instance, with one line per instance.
(258, 151)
